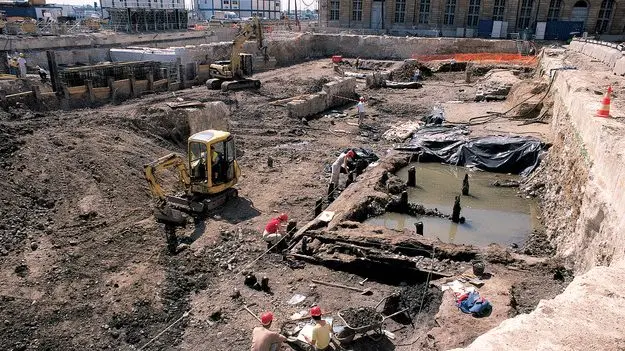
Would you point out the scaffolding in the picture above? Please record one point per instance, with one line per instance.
(136, 20)
(99, 75)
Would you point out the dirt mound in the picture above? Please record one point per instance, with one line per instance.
(361, 317)
(496, 85)
(528, 99)
(405, 72)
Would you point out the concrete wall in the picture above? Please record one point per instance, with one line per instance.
(94, 48)
(332, 94)
(609, 53)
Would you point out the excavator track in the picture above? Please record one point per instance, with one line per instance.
(240, 84)
(214, 83)
(177, 208)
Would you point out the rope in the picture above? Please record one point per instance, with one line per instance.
(425, 290)
(166, 329)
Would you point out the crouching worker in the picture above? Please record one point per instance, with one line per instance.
(264, 339)
(320, 338)
(275, 230)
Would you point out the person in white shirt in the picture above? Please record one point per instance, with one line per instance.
(341, 162)
(361, 111)
(21, 62)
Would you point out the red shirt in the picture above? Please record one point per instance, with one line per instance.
(273, 226)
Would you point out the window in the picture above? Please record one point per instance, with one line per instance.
(473, 16)
(357, 10)
(334, 10)
(197, 160)
(424, 11)
(525, 14)
(605, 12)
(400, 11)
(450, 10)
(554, 10)
(498, 9)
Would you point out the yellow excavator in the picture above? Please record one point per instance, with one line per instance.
(234, 74)
(208, 175)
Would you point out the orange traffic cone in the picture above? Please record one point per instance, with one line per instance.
(604, 111)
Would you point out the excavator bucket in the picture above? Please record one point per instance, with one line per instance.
(171, 216)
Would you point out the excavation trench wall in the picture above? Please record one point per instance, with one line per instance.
(584, 204)
(586, 173)
(214, 45)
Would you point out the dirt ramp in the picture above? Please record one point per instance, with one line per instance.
(214, 115)
(176, 122)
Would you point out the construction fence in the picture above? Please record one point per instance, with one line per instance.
(485, 58)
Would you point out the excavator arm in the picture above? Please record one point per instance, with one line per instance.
(249, 29)
(172, 160)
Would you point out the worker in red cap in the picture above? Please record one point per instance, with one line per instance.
(341, 163)
(321, 331)
(360, 107)
(275, 230)
(264, 339)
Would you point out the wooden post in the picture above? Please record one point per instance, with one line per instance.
(89, 85)
(412, 177)
(465, 185)
(318, 206)
(54, 72)
(331, 188)
(181, 74)
(150, 77)
(419, 228)
(455, 215)
(111, 84)
(197, 72)
(133, 85)
(404, 199)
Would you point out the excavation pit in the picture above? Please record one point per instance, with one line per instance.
(493, 213)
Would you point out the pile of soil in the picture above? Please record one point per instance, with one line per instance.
(406, 71)
(361, 317)
(411, 297)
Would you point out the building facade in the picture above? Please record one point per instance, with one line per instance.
(243, 8)
(488, 18)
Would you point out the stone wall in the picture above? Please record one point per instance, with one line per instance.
(333, 94)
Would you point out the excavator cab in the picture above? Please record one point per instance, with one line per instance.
(212, 162)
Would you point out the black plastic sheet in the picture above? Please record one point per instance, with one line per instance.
(452, 145)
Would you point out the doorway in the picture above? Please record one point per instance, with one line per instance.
(377, 15)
